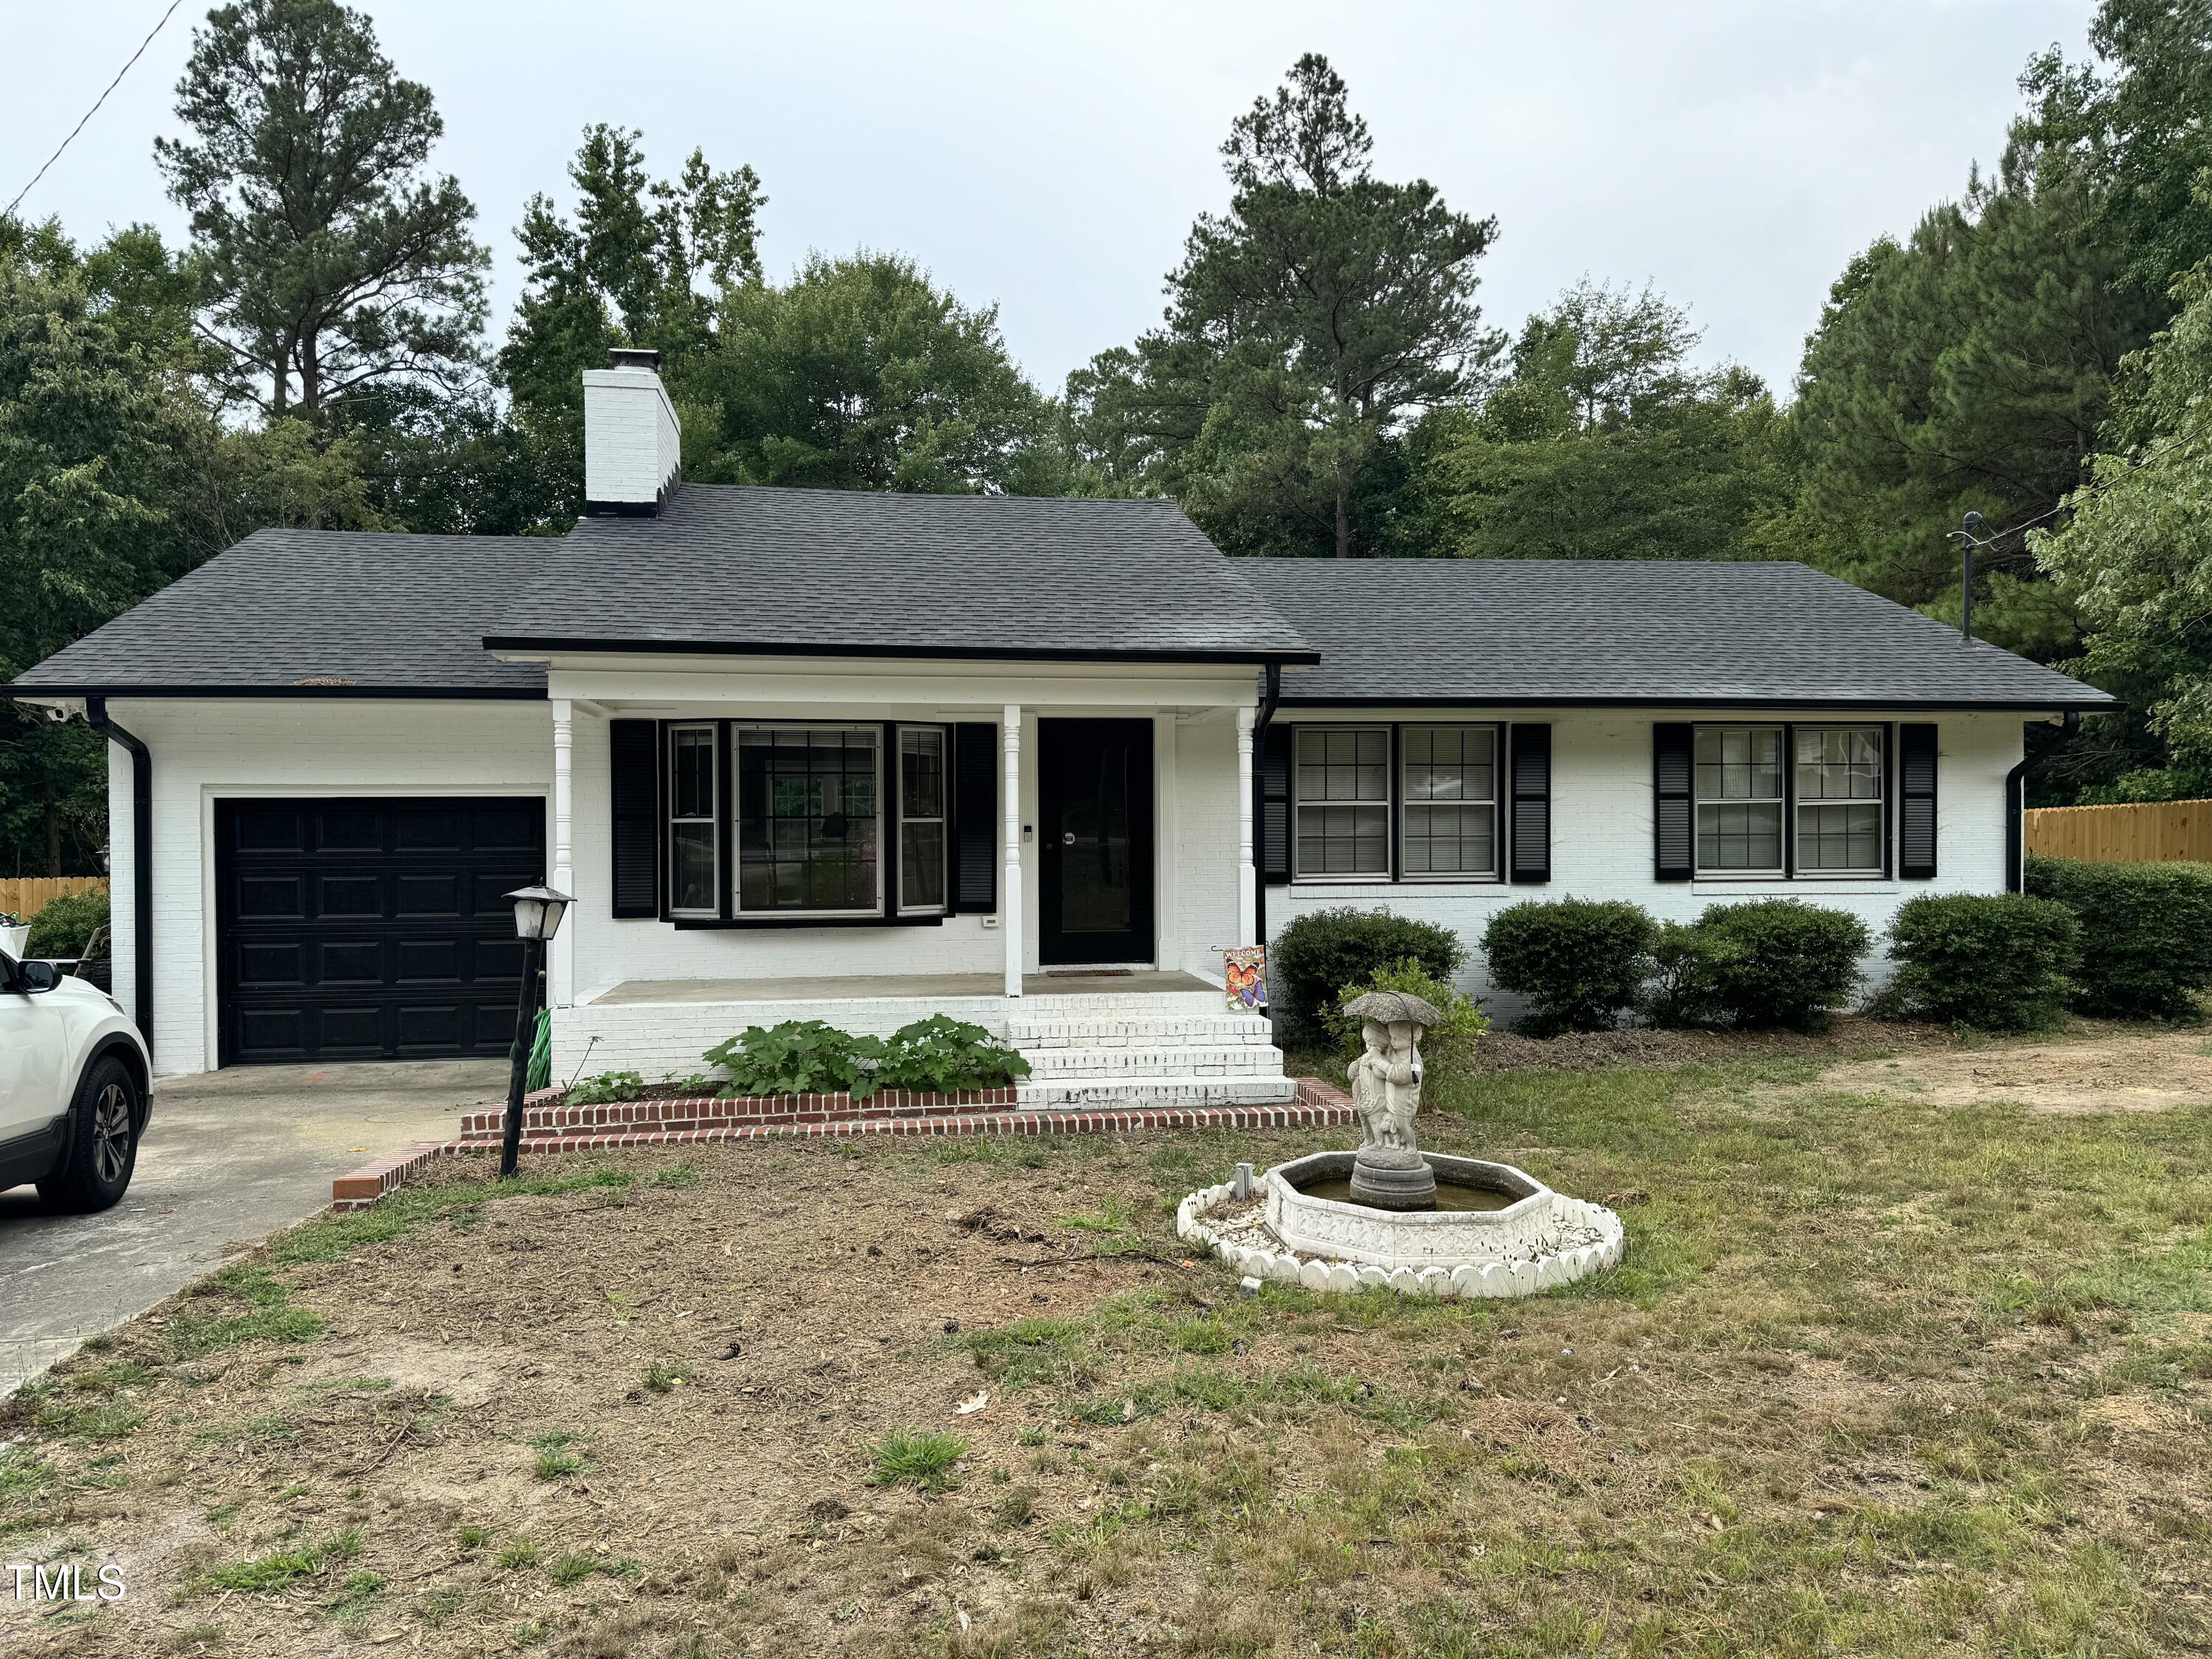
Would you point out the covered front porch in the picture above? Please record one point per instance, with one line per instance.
(1056, 853)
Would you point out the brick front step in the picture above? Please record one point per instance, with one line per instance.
(1138, 1092)
(1239, 1060)
(1026, 1030)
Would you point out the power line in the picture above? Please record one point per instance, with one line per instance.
(11, 209)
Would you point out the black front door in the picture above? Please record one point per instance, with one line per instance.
(1095, 827)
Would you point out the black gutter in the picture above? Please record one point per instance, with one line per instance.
(142, 864)
(1269, 700)
(1749, 700)
(2034, 753)
(20, 690)
(696, 647)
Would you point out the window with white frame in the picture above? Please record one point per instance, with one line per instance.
(1841, 811)
(1448, 783)
(810, 820)
(1341, 802)
(694, 822)
(1739, 799)
(922, 820)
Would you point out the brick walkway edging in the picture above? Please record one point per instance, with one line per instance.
(1317, 1104)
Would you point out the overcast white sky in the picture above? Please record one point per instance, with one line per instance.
(1051, 158)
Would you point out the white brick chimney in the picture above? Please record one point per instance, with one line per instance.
(633, 446)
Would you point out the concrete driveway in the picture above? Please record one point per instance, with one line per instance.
(229, 1158)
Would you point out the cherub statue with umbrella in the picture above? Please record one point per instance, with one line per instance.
(1389, 1171)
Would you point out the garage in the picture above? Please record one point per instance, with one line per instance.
(370, 929)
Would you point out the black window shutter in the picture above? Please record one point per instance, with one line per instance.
(1274, 825)
(975, 816)
(1531, 771)
(1916, 802)
(634, 786)
(1674, 822)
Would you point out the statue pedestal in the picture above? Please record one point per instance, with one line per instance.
(1393, 1178)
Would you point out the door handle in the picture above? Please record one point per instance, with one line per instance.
(1067, 838)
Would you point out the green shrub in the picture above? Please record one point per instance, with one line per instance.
(798, 1057)
(944, 1056)
(1579, 961)
(606, 1086)
(809, 1057)
(1321, 952)
(2002, 961)
(1763, 962)
(2146, 934)
(65, 926)
(1450, 1043)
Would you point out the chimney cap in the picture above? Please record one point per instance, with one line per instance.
(634, 357)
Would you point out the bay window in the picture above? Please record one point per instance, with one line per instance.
(830, 822)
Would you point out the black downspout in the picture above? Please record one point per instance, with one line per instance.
(1268, 700)
(142, 864)
(2016, 787)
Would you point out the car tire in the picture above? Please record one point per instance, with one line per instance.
(103, 1150)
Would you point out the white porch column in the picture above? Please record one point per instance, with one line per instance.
(561, 966)
(1010, 879)
(1248, 902)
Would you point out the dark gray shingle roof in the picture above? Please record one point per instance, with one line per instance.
(936, 575)
(405, 613)
(1565, 630)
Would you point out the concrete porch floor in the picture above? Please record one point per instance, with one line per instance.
(1148, 982)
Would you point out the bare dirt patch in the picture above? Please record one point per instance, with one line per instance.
(2129, 1071)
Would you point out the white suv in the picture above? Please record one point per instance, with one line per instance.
(73, 1087)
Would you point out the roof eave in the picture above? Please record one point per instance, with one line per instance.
(1254, 656)
(2100, 705)
(112, 689)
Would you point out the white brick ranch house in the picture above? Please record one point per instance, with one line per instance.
(1034, 762)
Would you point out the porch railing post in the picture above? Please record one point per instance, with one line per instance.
(561, 991)
(1248, 910)
(1010, 895)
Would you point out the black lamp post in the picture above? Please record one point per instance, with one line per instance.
(538, 912)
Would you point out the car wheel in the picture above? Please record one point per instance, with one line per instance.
(103, 1140)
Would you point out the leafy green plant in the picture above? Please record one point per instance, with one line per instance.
(606, 1087)
(1579, 961)
(2003, 961)
(2146, 934)
(1318, 954)
(1763, 962)
(64, 927)
(944, 1056)
(798, 1057)
(1451, 1041)
(916, 1458)
(559, 1454)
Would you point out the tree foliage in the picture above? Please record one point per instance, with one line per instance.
(335, 265)
(1601, 441)
(1306, 326)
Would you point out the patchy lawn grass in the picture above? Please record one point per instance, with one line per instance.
(1880, 1374)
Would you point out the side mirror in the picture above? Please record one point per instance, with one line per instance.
(32, 977)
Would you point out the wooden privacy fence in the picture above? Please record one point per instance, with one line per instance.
(2144, 832)
(29, 895)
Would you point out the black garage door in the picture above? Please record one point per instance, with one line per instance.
(370, 929)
